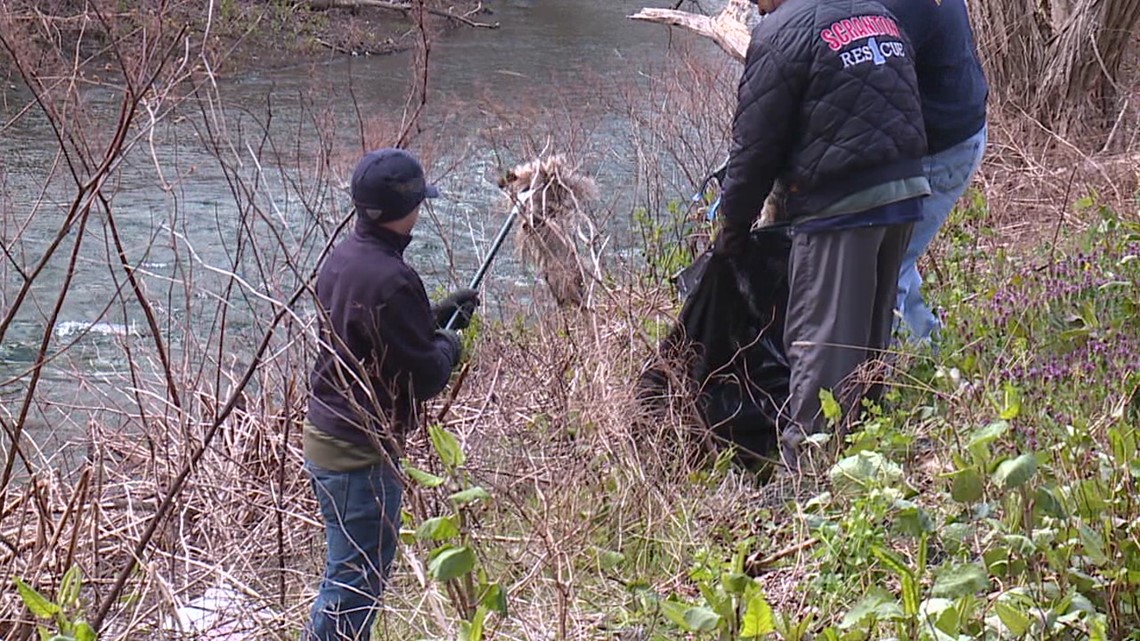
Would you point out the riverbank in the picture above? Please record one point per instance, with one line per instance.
(986, 499)
(990, 497)
(267, 35)
(243, 35)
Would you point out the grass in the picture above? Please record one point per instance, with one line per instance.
(989, 497)
(992, 496)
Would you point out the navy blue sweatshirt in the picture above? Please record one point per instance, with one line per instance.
(380, 356)
(951, 81)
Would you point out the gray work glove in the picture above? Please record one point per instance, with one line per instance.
(454, 344)
(464, 301)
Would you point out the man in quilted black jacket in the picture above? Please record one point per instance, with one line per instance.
(828, 109)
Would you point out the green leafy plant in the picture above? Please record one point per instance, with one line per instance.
(731, 604)
(452, 559)
(62, 618)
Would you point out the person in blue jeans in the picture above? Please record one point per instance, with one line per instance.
(382, 354)
(953, 90)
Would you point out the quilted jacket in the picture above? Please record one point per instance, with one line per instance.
(828, 105)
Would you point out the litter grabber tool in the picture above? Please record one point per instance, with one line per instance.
(685, 280)
(718, 176)
(496, 245)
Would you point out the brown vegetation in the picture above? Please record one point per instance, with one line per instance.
(187, 471)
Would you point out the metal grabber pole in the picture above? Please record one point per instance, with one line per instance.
(495, 246)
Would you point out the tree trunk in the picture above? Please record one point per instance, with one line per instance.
(1083, 72)
(1059, 60)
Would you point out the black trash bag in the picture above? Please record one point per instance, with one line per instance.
(726, 352)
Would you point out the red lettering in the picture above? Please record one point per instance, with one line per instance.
(843, 30)
(892, 28)
(832, 42)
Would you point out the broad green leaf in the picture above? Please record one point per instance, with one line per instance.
(470, 495)
(1013, 473)
(495, 599)
(892, 560)
(830, 407)
(791, 629)
(699, 619)
(1078, 602)
(877, 604)
(1123, 442)
(910, 595)
(473, 630)
(718, 601)
(912, 519)
(967, 485)
(675, 612)
(451, 563)
(736, 583)
(1011, 402)
(988, 434)
(423, 478)
(84, 631)
(863, 471)
(1087, 498)
(1098, 628)
(1093, 543)
(997, 560)
(1014, 620)
(70, 586)
(932, 610)
(960, 580)
(36, 602)
(447, 446)
(1020, 544)
(439, 528)
(980, 441)
(1049, 503)
(758, 619)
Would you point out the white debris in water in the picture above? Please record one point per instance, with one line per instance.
(66, 329)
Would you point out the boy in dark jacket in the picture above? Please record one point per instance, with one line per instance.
(953, 88)
(383, 352)
(829, 107)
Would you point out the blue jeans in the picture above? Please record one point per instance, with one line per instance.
(361, 511)
(949, 172)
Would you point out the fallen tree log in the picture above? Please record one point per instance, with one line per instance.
(729, 28)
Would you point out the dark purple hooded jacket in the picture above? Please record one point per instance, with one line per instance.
(380, 356)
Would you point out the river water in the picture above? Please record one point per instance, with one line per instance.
(568, 74)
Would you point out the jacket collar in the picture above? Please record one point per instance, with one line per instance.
(370, 230)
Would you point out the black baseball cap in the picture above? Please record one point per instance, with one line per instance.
(389, 184)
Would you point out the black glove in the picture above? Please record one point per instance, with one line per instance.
(454, 345)
(464, 301)
(731, 241)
